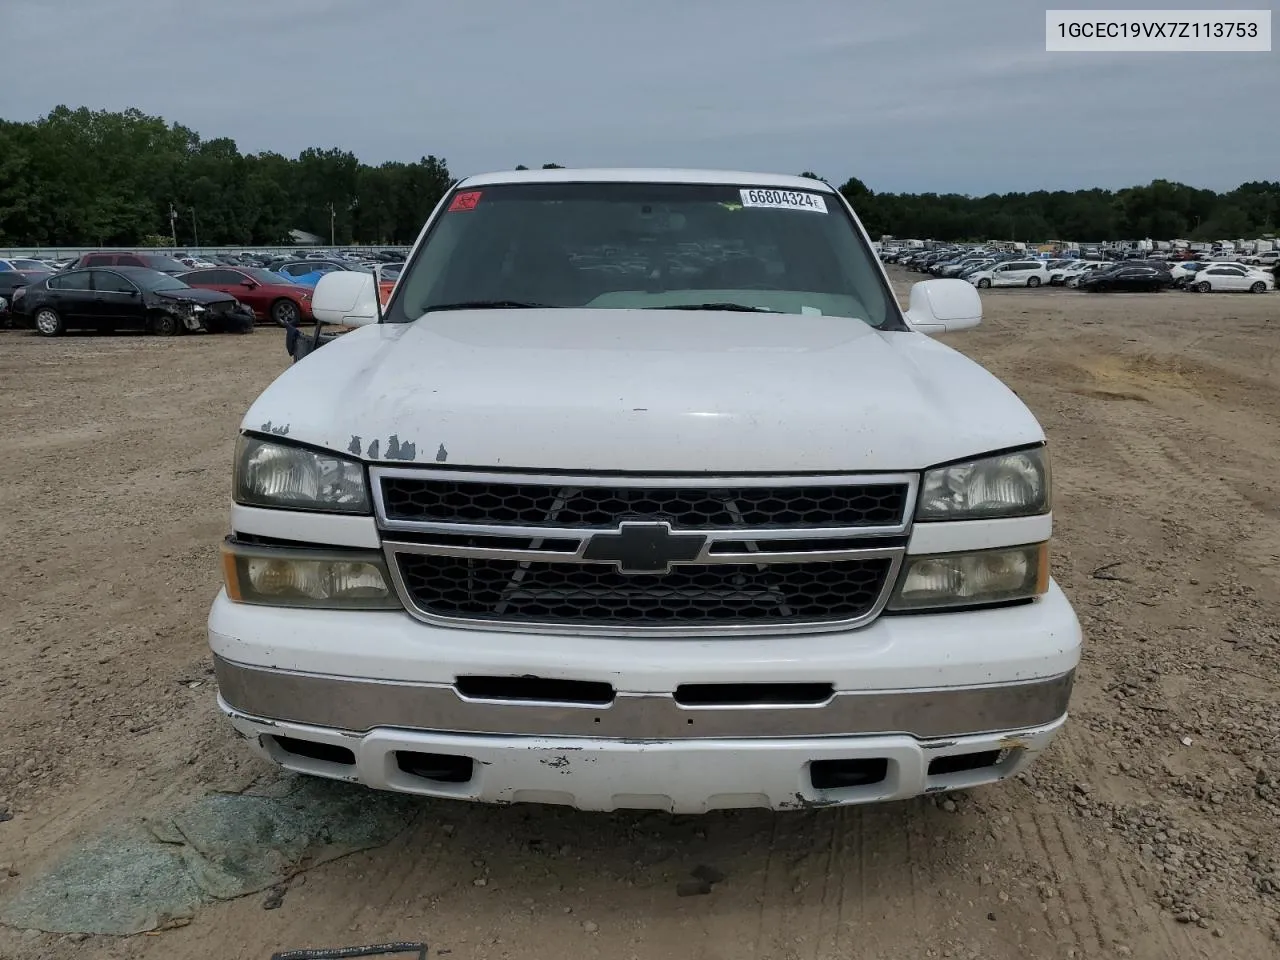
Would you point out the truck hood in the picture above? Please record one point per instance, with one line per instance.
(643, 390)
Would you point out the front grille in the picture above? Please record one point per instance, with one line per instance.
(661, 556)
(585, 594)
(445, 500)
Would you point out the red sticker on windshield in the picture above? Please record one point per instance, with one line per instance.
(465, 201)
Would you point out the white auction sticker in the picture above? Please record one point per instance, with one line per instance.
(786, 199)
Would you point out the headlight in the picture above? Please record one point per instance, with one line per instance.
(280, 475)
(968, 579)
(1008, 485)
(307, 578)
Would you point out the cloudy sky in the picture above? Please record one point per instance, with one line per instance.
(908, 95)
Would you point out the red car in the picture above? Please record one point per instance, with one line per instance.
(269, 295)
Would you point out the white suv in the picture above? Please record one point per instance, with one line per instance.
(643, 493)
(1013, 273)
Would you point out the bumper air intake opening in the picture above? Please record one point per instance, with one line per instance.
(752, 694)
(842, 774)
(535, 690)
(439, 767)
(312, 750)
(963, 763)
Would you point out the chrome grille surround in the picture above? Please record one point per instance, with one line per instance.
(538, 550)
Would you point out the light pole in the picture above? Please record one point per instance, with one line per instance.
(332, 241)
(173, 225)
(195, 231)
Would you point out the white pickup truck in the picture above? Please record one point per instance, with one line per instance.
(643, 493)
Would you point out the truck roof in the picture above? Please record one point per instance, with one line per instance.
(648, 175)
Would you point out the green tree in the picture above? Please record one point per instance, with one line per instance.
(79, 176)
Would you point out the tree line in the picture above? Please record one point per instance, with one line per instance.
(1160, 210)
(79, 177)
(112, 179)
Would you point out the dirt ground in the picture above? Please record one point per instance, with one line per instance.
(1151, 829)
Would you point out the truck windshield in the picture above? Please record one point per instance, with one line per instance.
(646, 246)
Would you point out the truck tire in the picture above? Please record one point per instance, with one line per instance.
(49, 323)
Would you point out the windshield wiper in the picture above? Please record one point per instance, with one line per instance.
(732, 307)
(483, 305)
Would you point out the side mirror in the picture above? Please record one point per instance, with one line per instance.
(249, 284)
(345, 298)
(943, 306)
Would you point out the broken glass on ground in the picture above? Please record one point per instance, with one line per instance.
(158, 871)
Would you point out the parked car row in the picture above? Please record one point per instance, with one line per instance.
(966, 262)
(983, 268)
(306, 271)
(1208, 277)
(124, 298)
(986, 268)
(86, 290)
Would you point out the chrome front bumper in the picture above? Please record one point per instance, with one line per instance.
(362, 705)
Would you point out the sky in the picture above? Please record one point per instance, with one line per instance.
(906, 95)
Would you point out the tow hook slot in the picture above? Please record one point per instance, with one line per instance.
(753, 694)
(535, 690)
(314, 750)
(842, 774)
(440, 767)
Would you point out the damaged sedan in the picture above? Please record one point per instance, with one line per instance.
(128, 298)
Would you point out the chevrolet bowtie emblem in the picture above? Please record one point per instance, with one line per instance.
(644, 547)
